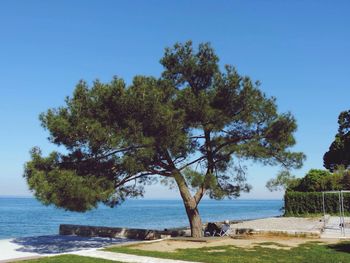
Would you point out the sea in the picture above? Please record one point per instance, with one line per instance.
(23, 217)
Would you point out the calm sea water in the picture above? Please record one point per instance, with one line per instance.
(20, 217)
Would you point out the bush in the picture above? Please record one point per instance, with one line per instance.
(345, 177)
(308, 203)
(318, 180)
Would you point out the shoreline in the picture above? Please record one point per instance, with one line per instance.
(161, 199)
(269, 227)
(26, 217)
(232, 221)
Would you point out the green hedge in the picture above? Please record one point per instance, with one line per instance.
(308, 203)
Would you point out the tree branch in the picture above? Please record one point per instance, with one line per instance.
(190, 163)
(210, 167)
(122, 150)
(130, 178)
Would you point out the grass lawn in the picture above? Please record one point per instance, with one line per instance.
(68, 259)
(262, 253)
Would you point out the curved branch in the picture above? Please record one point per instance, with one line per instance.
(194, 161)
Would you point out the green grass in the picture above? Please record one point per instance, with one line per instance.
(308, 252)
(68, 259)
(309, 215)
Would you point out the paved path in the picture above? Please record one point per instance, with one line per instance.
(50, 245)
(333, 230)
(283, 225)
(10, 250)
(126, 257)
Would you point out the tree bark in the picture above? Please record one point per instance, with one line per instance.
(190, 206)
(195, 222)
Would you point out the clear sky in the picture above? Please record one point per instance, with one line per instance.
(299, 50)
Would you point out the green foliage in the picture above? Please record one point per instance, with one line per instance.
(194, 178)
(306, 203)
(259, 252)
(344, 174)
(339, 151)
(196, 122)
(283, 181)
(304, 196)
(345, 181)
(316, 181)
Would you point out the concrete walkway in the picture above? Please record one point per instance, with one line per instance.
(10, 250)
(126, 257)
(333, 230)
(298, 226)
(38, 246)
(44, 246)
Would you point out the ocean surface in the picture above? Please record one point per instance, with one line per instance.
(21, 217)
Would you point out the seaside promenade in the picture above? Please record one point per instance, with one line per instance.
(299, 229)
(11, 250)
(43, 246)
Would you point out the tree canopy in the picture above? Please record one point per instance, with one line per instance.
(283, 181)
(191, 128)
(315, 180)
(339, 151)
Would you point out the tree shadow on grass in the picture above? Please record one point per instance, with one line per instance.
(54, 244)
(341, 247)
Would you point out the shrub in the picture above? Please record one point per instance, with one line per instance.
(308, 203)
(316, 181)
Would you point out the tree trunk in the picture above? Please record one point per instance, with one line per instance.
(195, 222)
(190, 206)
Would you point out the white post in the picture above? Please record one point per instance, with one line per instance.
(324, 211)
(343, 215)
(341, 224)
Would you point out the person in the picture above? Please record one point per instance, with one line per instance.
(225, 228)
(212, 229)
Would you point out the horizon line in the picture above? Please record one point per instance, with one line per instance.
(159, 198)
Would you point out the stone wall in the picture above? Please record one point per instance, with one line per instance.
(140, 234)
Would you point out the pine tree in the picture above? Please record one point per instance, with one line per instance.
(189, 128)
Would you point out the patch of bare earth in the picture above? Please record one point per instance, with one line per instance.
(171, 245)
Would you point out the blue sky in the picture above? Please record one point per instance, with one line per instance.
(299, 50)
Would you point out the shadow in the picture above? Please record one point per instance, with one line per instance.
(54, 244)
(341, 247)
